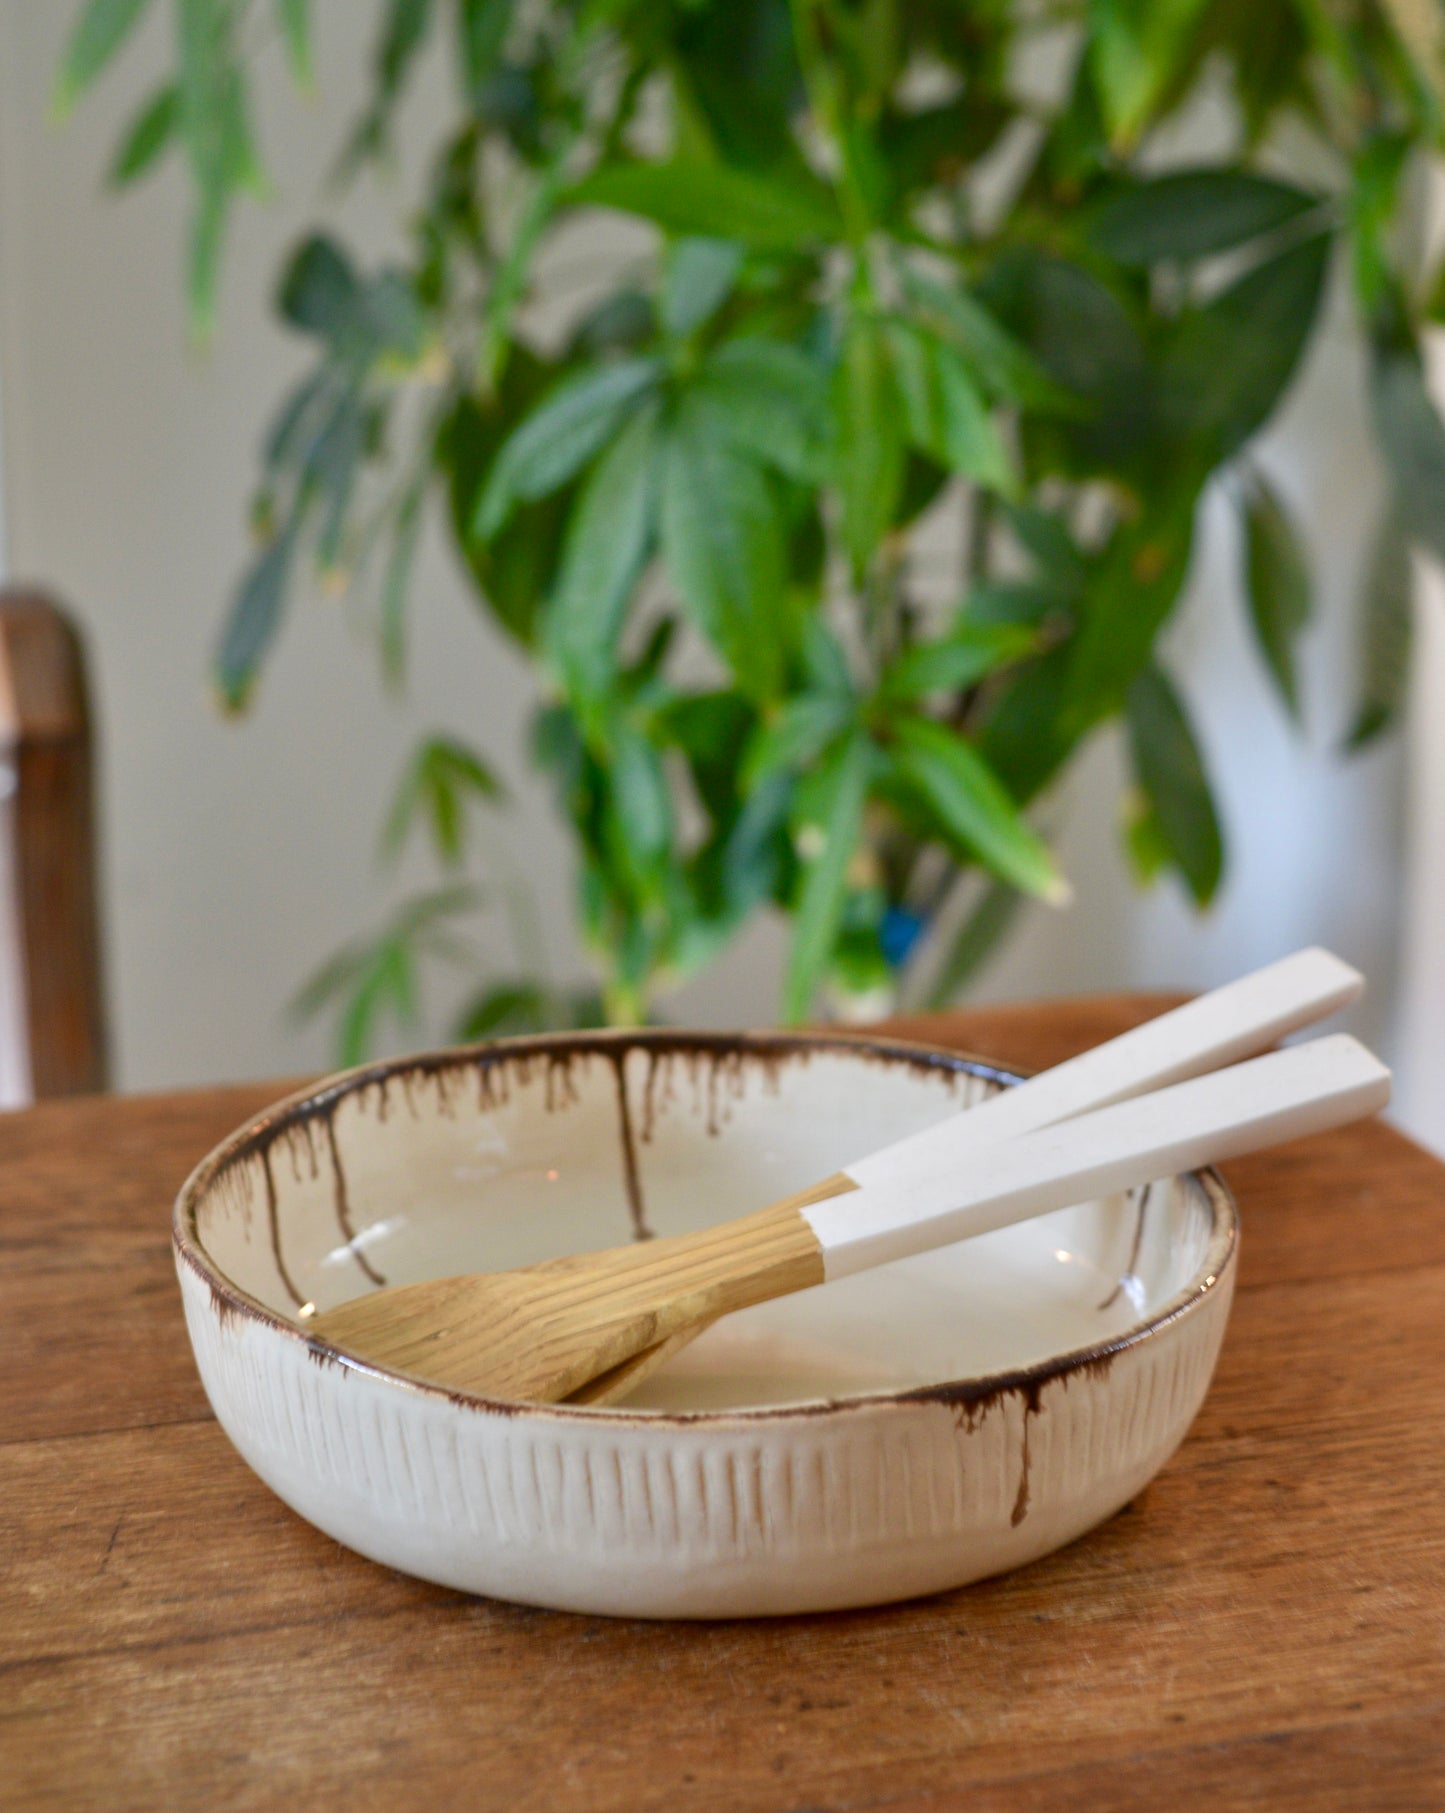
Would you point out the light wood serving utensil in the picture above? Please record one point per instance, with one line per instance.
(1239, 1020)
(541, 1332)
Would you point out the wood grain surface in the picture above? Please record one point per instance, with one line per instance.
(1265, 1627)
(544, 1331)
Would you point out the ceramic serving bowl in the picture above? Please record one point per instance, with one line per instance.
(895, 1433)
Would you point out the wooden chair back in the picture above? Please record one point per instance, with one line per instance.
(48, 861)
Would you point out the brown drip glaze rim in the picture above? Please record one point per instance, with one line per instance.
(260, 1132)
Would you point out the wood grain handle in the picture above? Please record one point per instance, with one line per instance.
(1285, 1095)
(1237, 1021)
(1230, 1023)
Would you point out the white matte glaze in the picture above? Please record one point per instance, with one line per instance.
(966, 1190)
(907, 1430)
(1238, 1020)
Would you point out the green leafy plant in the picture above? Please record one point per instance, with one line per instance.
(913, 261)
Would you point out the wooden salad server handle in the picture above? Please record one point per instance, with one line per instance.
(1237, 1021)
(541, 1332)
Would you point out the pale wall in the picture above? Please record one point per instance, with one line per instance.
(236, 856)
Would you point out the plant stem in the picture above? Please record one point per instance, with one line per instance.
(623, 1004)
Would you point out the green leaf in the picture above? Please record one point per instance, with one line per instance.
(294, 17)
(716, 201)
(1277, 585)
(756, 856)
(621, 322)
(1049, 541)
(1145, 843)
(1413, 438)
(697, 278)
(711, 729)
(1132, 588)
(933, 146)
(438, 781)
(1421, 35)
(735, 72)
(1227, 364)
(387, 984)
(1170, 771)
(516, 570)
(641, 803)
(1029, 730)
(254, 618)
(722, 539)
(972, 808)
(824, 661)
(203, 259)
(868, 452)
(1005, 367)
(332, 979)
(1136, 48)
(510, 276)
(299, 421)
(102, 28)
(970, 440)
(795, 736)
(967, 654)
(392, 318)
(608, 542)
(336, 467)
(1374, 202)
(914, 371)
(394, 590)
(508, 1009)
(403, 32)
(318, 288)
(829, 843)
(152, 130)
(577, 418)
(1023, 602)
(216, 132)
(483, 28)
(371, 979)
(1271, 57)
(947, 417)
(1087, 337)
(769, 401)
(1386, 632)
(1191, 213)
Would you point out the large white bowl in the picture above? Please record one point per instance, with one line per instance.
(895, 1433)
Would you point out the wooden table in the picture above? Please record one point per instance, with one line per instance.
(1264, 1627)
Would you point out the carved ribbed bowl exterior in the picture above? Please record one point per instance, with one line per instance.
(899, 1433)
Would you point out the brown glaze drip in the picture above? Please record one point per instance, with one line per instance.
(716, 1063)
(226, 1309)
(493, 1085)
(631, 1177)
(972, 1410)
(297, 1139)
(1021, 1502)
(273, 1221)
(560, 1084)
(655, 1070)
(343, 1203)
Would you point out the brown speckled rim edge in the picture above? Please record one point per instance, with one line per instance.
(310, 1103)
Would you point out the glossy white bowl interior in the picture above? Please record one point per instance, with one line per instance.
(520, 1152)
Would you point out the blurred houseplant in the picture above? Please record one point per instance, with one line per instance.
(908, 264)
